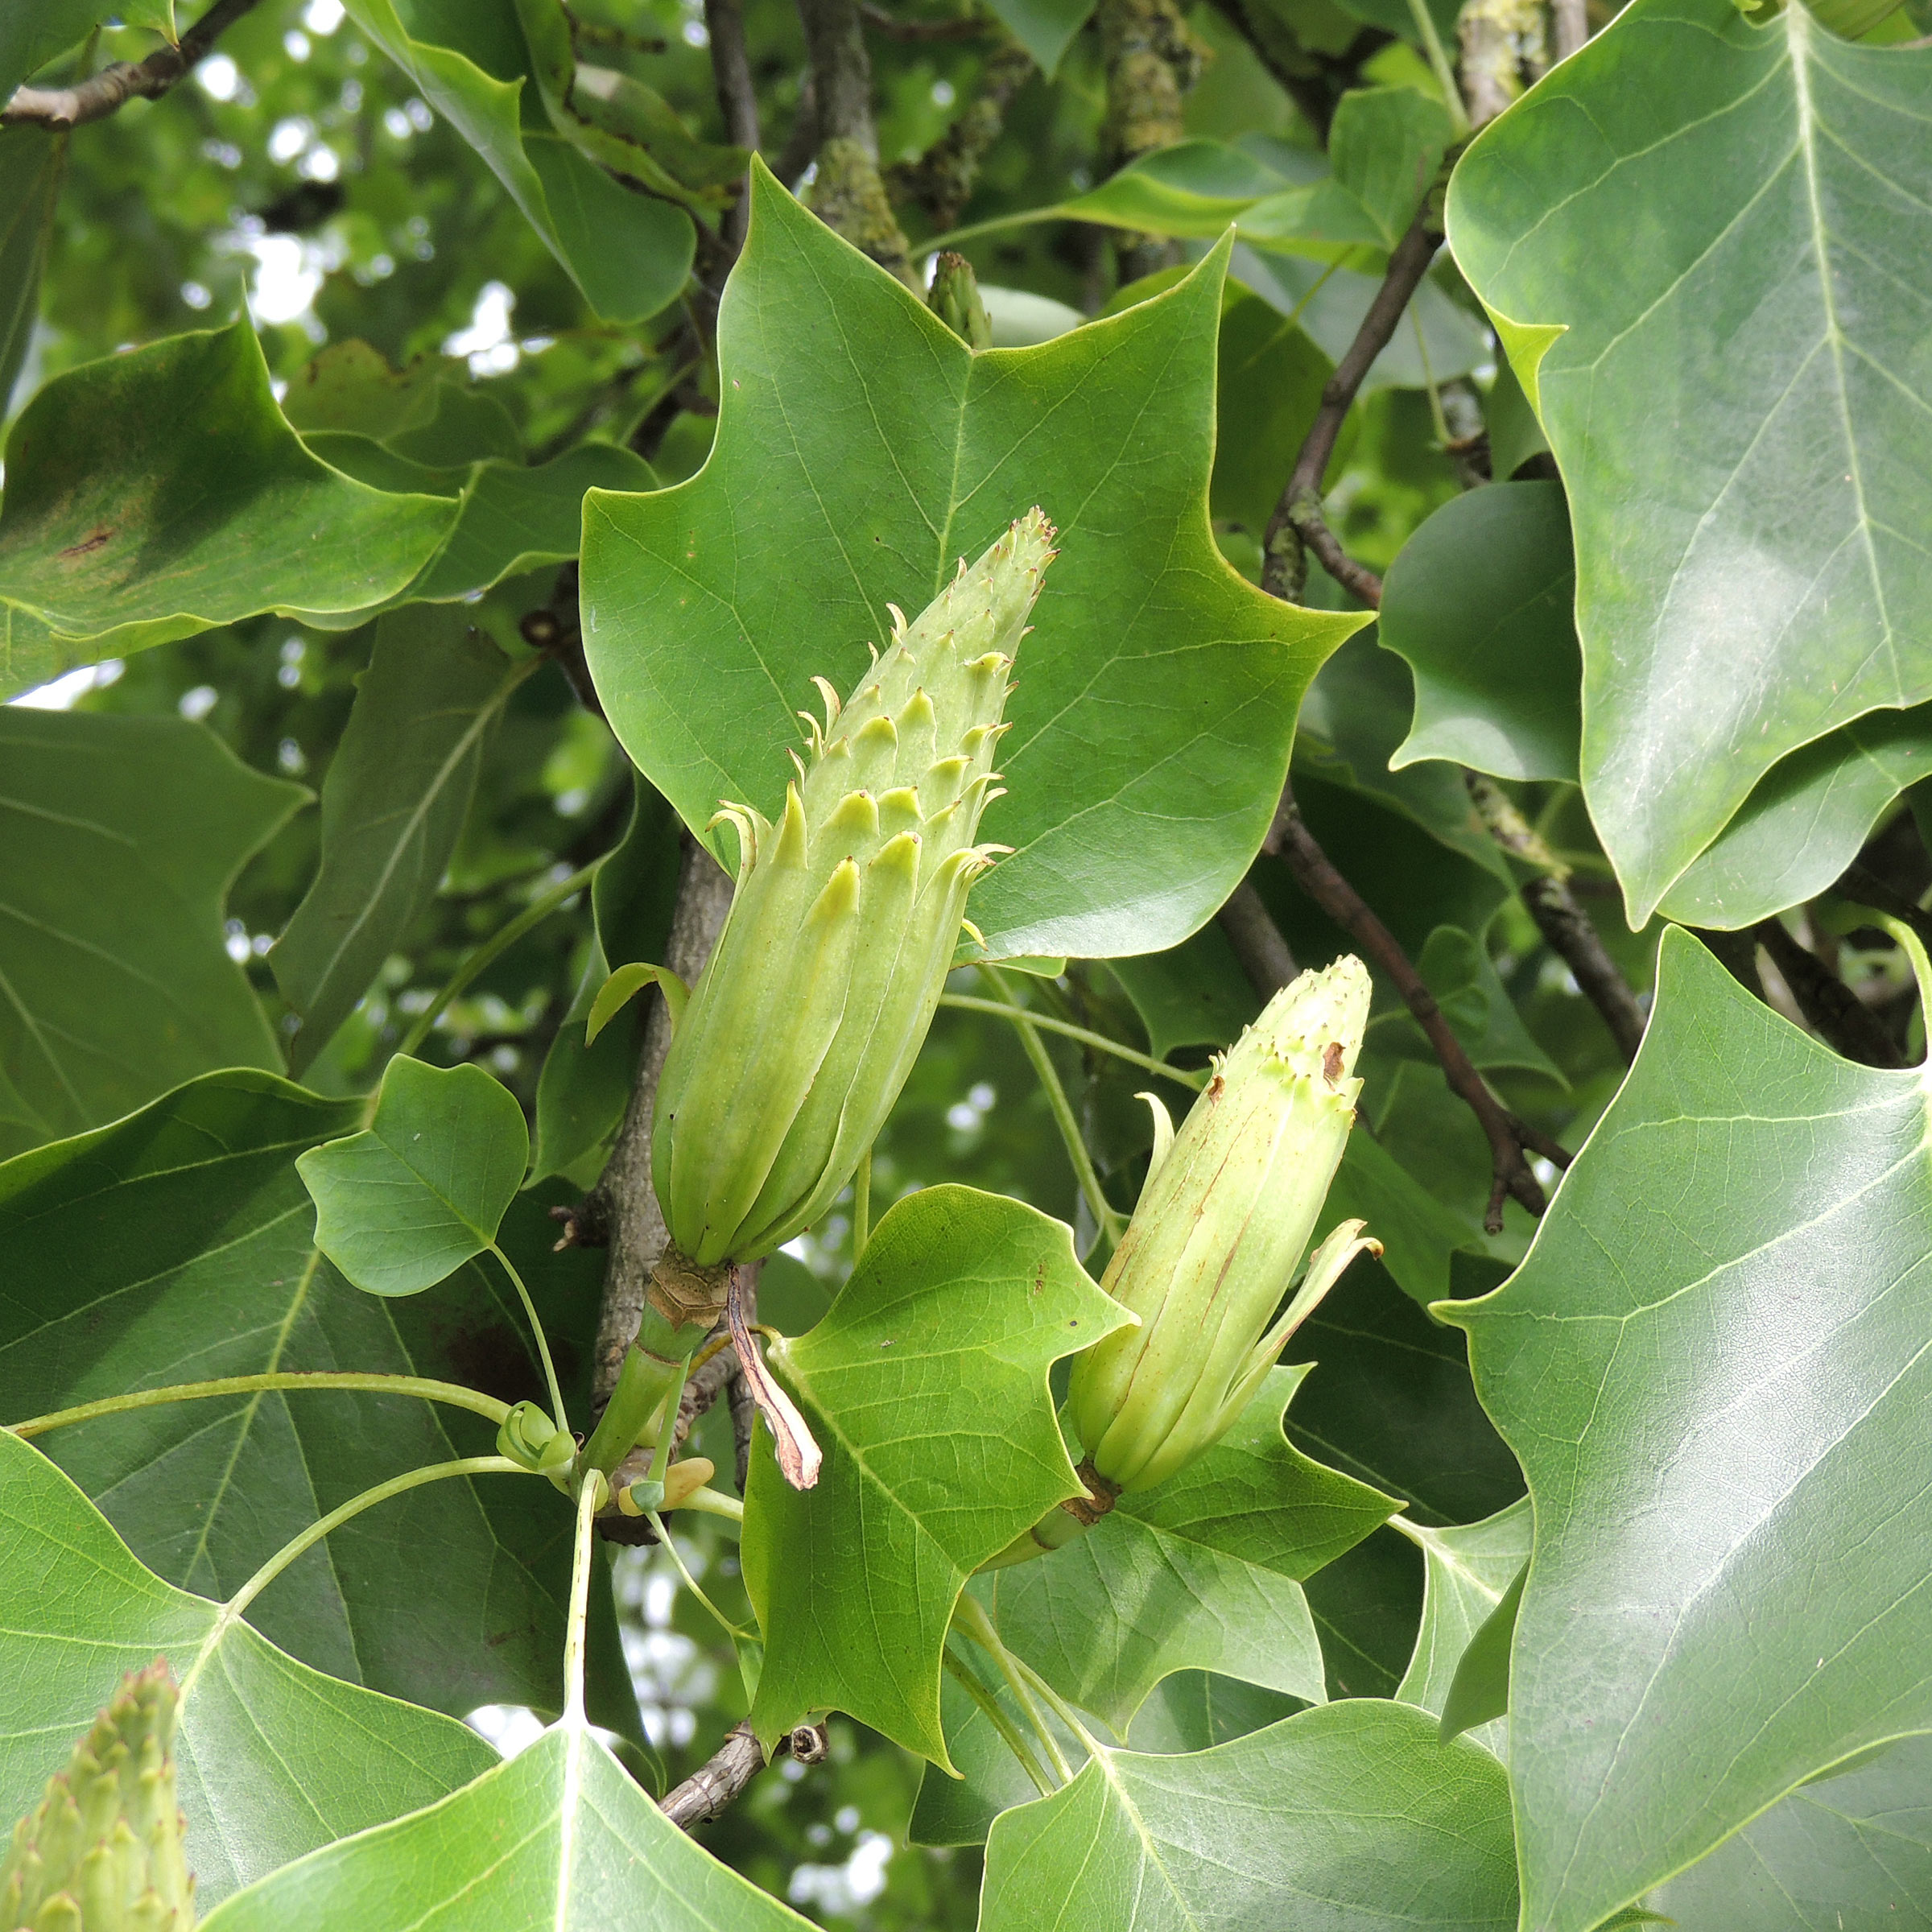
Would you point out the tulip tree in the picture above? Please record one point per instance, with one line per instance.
(962, 964)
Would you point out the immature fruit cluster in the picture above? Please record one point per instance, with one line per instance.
(1223, 1222)
(102, 1852)
(802, 1028)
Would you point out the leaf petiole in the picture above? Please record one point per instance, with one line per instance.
(536, 1329)
(411, 1478)
(968, 1680)
(488, 1406)
(691, 1583)
(1111, 1224)
(592, 1494)
(969, 1614)
(1181, 1077)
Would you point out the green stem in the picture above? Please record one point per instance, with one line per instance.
(970, 1615)
(1061, 1709)
(643, 1382)
(1180, 1075)
(498, 943)
(411, 1479)
(861, 1207)
(1110, 1223)
(592, 1494)
(452, 1393)
(1025, 218)
(690, 1583)
(1439, 64)
(536, 1329)
(968, 1679)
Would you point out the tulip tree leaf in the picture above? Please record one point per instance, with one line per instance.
(198, 1264)
(1351, 1815)
(560, 1838)
(1479, 603)
(1700, 242)
(272, 1759)
(394, 805)
(119, 838)
(1854, 1851)
(862, 443)
(1479, 1693)
(926, 1386)
(1468, 1571)
(629, 253)
(155, 494)
(1459, 971)
(1804, 822)
(403, 1204)
(1203, 1571)
(1744, 1236)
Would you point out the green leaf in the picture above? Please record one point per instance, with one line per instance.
(560, 1838)
(1804, 822)
(1468, 1571)
(1045, 28)
(32, 165)
(198, 1264)
(1694, 240)
(119, 838)
(30, 36)
(1479, 1692)
(926, 1386)
(349, 385)
(1202, 1571)
(1393, 1404)
(272, 1758)
(1194, 994)
(1420, 1236)
(1366, 1606)
(157, 492)
(1397, 17)
(394, 805)
(1478, 605)
(864, 443)
(1269, 383)
(1855, 1852)
(1342, 1819)
(1191, 189)
(1744, 1237)
(401, 1205)
(627, 252)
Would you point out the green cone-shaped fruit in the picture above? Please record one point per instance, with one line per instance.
(1222, 1224)
(102, 1852)
(802, 1028)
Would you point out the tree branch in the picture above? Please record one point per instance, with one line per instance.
(969, 28)
(623, 1200)
(1297, 525)
(1570, 930)
(1831, 1009)
(1569, 27)
(1316, 875)
(849, 194)
(716, 1785)
(98, 96)
(1256, 941)
(940, 182)
(737, 102)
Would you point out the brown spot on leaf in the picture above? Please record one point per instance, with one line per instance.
(92, 541)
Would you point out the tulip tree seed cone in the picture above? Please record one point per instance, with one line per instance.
(1222, 1224)
(802, 1027)
(101, 1851)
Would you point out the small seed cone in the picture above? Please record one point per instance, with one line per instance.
(802, 1028)
(102, 1852)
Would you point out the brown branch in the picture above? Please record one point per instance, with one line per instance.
(1315, 873)
(737, 102)
(1256, 941)
(1314, 82)
(848, 194)
(1569, 23)
(625, 1201)
(98, 96)
(1297, 525)
(1571, 932)
(1833, 1011)
(557, 628)
(716, 1785)
(894, 29)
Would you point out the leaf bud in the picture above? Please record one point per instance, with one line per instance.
(804, 1024)
(529, 1435)
(1224, 1220)
(955, 297)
